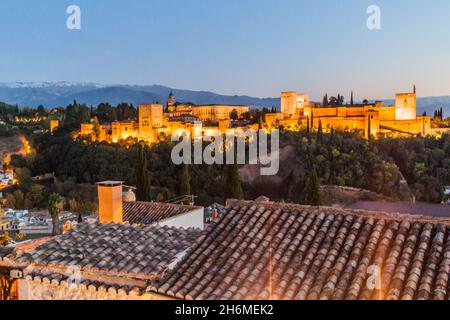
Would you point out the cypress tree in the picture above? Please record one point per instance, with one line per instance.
(142, 176)
(312, 120)
(351, 99)
(320, 132)
(325, 100)
(313, 197)
(185, 186)
(233, 188)
(307, 125)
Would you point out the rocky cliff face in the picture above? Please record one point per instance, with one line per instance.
(283, 186)
(275, 187)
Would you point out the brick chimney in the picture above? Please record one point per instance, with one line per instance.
(110, 202)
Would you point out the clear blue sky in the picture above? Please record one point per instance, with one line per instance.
(254, 47)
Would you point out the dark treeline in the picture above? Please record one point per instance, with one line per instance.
(72, 115)
(339, 158)
(75, 114)
(425, 163)
(91, 163)
(9, 112)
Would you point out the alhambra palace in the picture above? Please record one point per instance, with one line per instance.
(297, 111)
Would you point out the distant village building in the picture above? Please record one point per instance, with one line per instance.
(447, 194)
(54, 125)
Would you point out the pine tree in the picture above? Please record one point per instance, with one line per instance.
(233, 188)
(142, 176)
(313, 197)
(185, 185)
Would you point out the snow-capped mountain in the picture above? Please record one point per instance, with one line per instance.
(16, 85)
(54, 94)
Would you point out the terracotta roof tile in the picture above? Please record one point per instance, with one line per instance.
(277, 251)
(114, 247)
(100, 286)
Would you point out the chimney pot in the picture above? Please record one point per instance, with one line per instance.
(214, 215)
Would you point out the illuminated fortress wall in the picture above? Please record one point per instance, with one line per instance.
(152, 121)
(217, 112)
(401, 118)
(123, 130)
(296, 111)
(86, 129)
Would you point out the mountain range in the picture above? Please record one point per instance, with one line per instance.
(62, 93)
(54, 94)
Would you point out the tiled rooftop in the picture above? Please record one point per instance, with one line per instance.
(139, 251)
(10, 252)
(275, 251)
(84, 284)
(152, 212)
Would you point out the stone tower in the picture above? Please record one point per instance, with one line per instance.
(171, 102)
(150, 117)
(406, 106)
(293, 104)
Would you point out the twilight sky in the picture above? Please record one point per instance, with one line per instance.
(254, 47)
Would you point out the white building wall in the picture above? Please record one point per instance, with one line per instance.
(191, 219)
